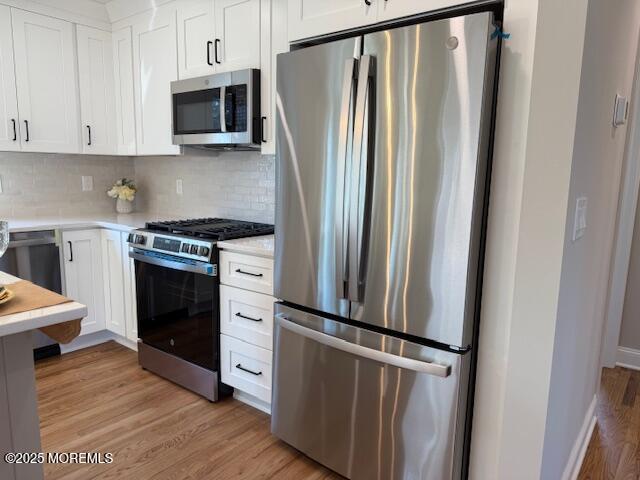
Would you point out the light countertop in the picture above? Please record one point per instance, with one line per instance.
(40, 317)
(123, 223)
(261, 246)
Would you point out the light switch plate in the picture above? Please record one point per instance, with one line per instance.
(179, 186)
(580, 218)
(620, 109)
(87, 183)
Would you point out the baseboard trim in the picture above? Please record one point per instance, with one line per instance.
(628, 358)
(579, 449)
(96, 338)
(252, 401)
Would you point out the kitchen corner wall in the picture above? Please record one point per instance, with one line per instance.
(50, 185)
(238, 185)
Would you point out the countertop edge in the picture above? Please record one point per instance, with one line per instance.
(248, 246)
(41, 317)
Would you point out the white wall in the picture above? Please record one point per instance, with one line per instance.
(237, 185)
(50, 185)
(630, 328)
(537, 106)
(608, 68)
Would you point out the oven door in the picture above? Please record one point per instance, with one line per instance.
(220, 109)
(178, 308)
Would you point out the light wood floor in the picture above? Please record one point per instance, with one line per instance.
(100, 400)
(614, 450)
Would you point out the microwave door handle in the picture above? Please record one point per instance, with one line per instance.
(223, 116)
(344, 138)
(359, 174)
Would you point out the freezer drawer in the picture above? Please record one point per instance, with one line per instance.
(364, 404)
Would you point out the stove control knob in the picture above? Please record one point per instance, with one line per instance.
(130, 238)
(203, 251)
(185, 248)
(140, 239)
(194, 249)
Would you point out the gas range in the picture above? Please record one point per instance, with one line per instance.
(178, 298)
(193, 239)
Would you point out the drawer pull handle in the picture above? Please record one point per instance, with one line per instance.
(248, 318)
(248, 273)
(240, 367)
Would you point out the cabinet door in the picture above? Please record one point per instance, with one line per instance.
(131, 315)
(391, 9)
(310, 18)
(83, 275)
(45, 59)
(97, 106)
(195, 38)
(9, 131)
(237, 34)
(155, 66)
(273, 41)
(113, 277)
(123, 91)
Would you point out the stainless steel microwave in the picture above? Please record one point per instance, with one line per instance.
(220, 111)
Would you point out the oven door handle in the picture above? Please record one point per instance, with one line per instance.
(204, 268)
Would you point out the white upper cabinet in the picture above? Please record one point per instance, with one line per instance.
(45, 59)
(9, 127)
(155, 66)
(237, 29)
(125, 118)
(310, 18)
(195, 38)
(391, 9)
(97, 106)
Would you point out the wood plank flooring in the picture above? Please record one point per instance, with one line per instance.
(614, 450)
(99, 400)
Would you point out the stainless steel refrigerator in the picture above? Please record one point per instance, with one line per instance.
(382, 161)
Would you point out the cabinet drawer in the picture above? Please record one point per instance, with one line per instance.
(246, 367)
(247, 316)
(246, 271)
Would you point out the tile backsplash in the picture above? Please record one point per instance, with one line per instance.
(231, 184)
(238, 185)
(50, 185)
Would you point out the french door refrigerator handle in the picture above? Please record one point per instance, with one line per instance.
(348, 85)
(223, 113)
(418, 366)
(359, 174)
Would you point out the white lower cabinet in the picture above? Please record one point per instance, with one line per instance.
(83, 275)
(99, 273)
(247, 315)
(246, 367)
(113, 254)
(246, 326)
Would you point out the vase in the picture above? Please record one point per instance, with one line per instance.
(124, 206)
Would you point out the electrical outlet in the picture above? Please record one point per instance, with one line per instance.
(580, 218)
(87, 183)
(179, 186)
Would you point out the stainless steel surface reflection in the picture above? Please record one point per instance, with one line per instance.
(363, 418)
(309, 101)
(428, 178)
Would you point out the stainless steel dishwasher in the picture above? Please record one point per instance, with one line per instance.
(35, 256)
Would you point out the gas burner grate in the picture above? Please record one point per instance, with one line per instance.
(212, 228)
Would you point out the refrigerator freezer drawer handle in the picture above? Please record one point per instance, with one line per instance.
(365, 352)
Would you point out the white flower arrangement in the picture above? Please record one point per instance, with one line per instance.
(123, 190)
